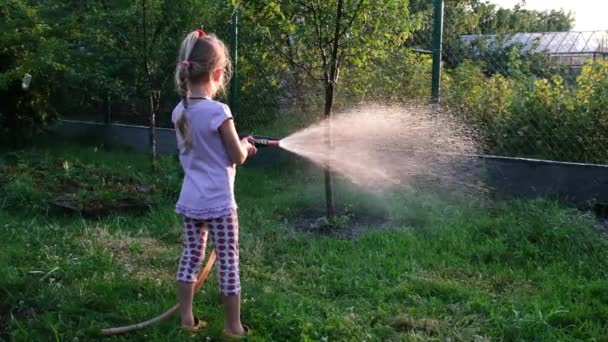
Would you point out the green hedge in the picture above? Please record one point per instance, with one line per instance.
(526, 116)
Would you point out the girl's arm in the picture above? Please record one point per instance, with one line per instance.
(238, 150)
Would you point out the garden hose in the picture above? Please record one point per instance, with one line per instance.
(199, 283)
(262, 141)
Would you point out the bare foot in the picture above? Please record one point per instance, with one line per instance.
(188, 321)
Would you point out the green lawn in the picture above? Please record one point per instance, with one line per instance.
(526, 270)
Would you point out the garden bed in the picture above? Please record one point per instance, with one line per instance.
(74, 186)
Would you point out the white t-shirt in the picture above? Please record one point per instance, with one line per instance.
(208, 186)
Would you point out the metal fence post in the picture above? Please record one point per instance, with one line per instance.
(234, 83)
(437, 51)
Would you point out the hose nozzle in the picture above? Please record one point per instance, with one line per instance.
(262, 141)
(257, 142)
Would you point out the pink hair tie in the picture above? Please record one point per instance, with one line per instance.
(185, 63)
(201, 33)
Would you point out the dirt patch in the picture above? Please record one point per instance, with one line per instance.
(347, 224)
(349, 229)
(97, 208)
(104, 195)
(410, 324)
(137, 255)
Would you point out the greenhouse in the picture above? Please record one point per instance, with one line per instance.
(571, 49)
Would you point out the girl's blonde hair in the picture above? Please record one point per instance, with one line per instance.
(199, 56)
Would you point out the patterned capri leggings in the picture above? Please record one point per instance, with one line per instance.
(224, 233)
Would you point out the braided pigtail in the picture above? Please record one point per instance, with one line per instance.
(182, 82)
(182, 121)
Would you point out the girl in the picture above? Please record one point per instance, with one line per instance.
(209, 148)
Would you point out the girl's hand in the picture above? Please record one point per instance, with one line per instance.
(248, 144)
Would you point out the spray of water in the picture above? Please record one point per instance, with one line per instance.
(379, 147)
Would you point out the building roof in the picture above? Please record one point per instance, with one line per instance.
(549, 42)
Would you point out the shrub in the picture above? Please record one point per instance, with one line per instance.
(26, 48)
(534, 117)
(403, 75)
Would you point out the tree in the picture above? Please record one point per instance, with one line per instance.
(92, 53)
(128, 50)
(146, 36)
(27, 45)
(321, 37)
(163, 25)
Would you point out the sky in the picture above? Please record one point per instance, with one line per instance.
(590, 15)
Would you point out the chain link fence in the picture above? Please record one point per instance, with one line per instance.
(528, 94)
(539, 95)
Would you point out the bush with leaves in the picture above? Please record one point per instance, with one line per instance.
(402, 76)
(27, 45)
(534, 117)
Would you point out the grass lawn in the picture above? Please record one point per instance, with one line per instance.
(517, 271)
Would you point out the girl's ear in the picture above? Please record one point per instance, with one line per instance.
(217, 75)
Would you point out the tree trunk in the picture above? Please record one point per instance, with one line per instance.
(153, 130)
(153, 99)
(329, 189)
(330, 90)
